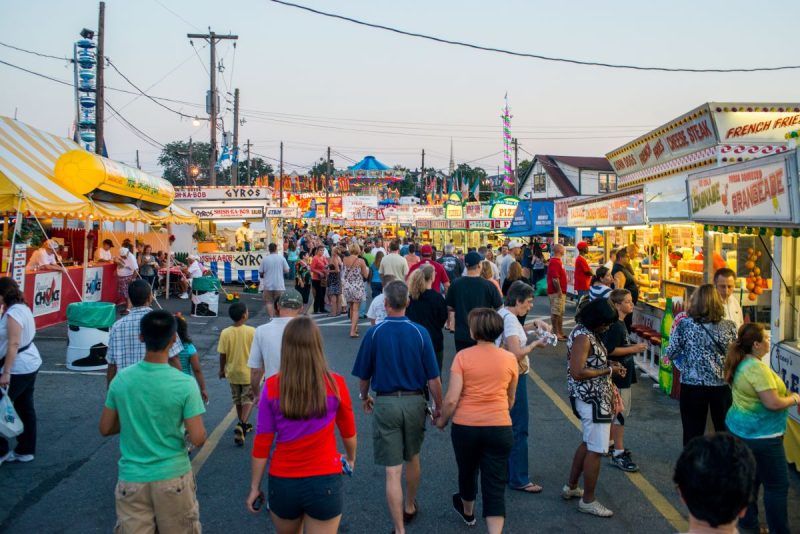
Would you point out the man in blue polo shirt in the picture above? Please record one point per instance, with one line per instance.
(397, 357)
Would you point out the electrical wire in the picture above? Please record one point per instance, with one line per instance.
(178, 15)
(197, 53)
(40, 75)
(526, 54)
(179, 113)
(40, 54)
(139, 133)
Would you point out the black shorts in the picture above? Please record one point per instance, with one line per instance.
(318, 497)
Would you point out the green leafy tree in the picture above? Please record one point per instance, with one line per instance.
(319, 170)
(523, 166)
(258, 167)
(174, 159)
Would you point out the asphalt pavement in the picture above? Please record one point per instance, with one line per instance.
(69, 488)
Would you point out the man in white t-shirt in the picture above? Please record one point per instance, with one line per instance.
(44, 258)
(193, 270)
(725, 282)
(103, 254)
(271, 271)
(244, 237)
(377, 308)
(265, 352)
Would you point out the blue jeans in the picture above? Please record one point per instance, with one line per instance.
(377, 288)
(518, 460)
(771, 472)
(362, 309)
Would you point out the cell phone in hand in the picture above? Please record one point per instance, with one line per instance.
(259, 502)
(346, 469)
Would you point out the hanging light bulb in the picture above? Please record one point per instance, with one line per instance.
(196, 122)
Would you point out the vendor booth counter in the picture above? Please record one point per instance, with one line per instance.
(48, 293)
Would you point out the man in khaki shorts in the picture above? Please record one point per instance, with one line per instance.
(557, 290)
(397, 357)
(271, 271)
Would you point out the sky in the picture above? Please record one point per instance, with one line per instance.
(314, 82)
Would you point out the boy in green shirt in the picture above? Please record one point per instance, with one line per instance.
(234, 351)
(149, 404)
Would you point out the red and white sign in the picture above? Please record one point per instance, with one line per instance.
(593, 214)
(366, 213)
(18, 265)
(222, 193)
(502, 224)
(480, 224)
(46, 293)
(755, 127)
(458, 224)
(627, 210)
(754, 192)
(243, 212)
(351, 203)
(286, 212)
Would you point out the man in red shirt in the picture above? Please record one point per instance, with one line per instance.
(440, 278)
(583, 273)
(556, 290)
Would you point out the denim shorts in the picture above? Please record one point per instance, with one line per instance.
(318, 497)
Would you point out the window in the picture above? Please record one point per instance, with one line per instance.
(608, 183)
(539, 183)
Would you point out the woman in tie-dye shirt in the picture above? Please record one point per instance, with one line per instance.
(758, 416)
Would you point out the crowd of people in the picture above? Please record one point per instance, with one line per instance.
(418, 296)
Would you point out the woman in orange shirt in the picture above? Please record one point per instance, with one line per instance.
(483, 381)
(488, 273)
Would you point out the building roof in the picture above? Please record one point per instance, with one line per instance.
(582, 162)
(550, 164)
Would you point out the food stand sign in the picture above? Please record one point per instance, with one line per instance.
(19, 259)
(93, 289)
(46, 293)
(243, 212)
(472, 210)
(501, 224)
(366, 213)
(458, 224)
(222, 193)
(504, 209)
(479, 225)
(287, 212)
(627, 210)
(592, 214)
(453, 211)
(758, 191)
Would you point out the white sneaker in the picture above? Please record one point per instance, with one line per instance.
(184, 296)
(594, 508)
(568, 493)
(14, 457)
(7, 457)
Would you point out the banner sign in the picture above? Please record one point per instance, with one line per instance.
(787, 363)
(440, 224)
(351, 203)
(754, 192)
(504, 209)
(222, 193)
(454, 211)
(366, 213)
(479, 225)
(46, 293)
(19, 263)
(93, 289)
(430, 212)
(287, 212)
(593, 214)
(627, 210)
(458, 224)
(472, 210)
(501, 224)
(244, 212)
(423, 223)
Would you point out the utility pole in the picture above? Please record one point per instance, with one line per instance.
(212, 39)
(100, 92)
(422, 172)
(327, 182)
(280, 177)
(189, 167)
(248, 145)
(235, 168)
(138, 166)
(516, 167)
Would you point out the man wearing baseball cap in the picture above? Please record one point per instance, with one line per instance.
(583, 273)
(45, 258)
(467, 293)
(440, 279)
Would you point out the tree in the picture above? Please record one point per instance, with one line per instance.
(174, 159)
(258, 167)
(522, 168)
(319, 170)
(473, 177)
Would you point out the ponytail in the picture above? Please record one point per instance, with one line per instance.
(749, 334)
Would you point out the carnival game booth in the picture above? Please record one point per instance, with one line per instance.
(751, 212)
(49, 183)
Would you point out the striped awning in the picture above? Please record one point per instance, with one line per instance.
(27, 162)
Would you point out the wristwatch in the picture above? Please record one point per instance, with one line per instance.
(362, 396)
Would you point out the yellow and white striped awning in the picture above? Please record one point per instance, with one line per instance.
(27, 163)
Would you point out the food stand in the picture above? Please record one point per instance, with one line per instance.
(752, 214)
(52, 182)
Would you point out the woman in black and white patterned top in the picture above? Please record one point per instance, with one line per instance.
(697, 347)
(590, 392)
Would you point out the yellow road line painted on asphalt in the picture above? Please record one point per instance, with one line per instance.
(212, 441)
(659, 502)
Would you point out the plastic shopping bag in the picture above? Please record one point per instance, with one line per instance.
(10, 423)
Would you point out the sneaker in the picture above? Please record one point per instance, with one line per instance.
(24, 458)
(248, 428)
(6, 457)
(568, 493)
(458, 506)
(624, 462)
(184, 296)
(594, 508)
(238, 437)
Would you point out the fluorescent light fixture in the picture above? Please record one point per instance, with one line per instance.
(606, 228)
(636, 227)
(583, 228)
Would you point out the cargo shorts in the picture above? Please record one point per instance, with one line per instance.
(398, 428)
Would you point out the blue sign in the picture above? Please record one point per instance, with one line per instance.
(533, 217)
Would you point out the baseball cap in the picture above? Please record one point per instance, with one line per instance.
(124, 251)
(514, 244)
(426, 250)
(583, 245)
(292, 299)
(472, 259)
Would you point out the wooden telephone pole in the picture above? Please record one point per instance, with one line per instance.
(235, 150)
(212, 39)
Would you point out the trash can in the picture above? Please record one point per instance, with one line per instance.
(205, 296)
(87, 338)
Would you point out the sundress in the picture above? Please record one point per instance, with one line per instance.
(353, 283)
(597, 391)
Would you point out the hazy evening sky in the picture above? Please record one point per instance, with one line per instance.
(404, 94)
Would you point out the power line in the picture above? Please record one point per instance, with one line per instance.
(139, 133)
(178, 15)
(40, 54)
(526, 54)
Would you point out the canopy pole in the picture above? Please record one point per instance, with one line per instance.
(58, 258)
(86, 246)
(17, 224)
(119, 245)
(169, 259)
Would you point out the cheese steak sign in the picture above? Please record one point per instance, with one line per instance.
(245, 212)
(756, 193)
(222, 193)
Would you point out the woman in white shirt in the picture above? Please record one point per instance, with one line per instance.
(19, 364)
(127, 272)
